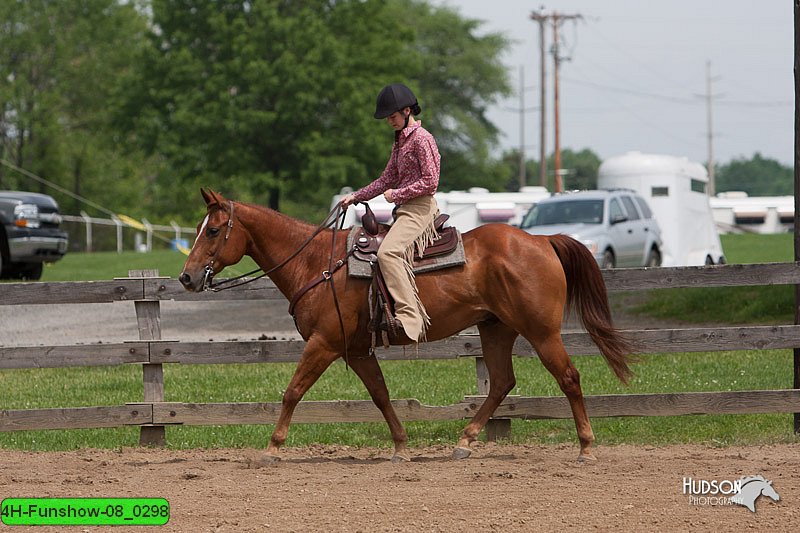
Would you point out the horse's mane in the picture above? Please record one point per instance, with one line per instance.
(280, 215)
(749, 479)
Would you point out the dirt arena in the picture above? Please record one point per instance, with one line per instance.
(500, 488)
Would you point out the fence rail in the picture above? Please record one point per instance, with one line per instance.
(146, 289)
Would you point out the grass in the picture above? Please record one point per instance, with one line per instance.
(432, 382)
(734, 305)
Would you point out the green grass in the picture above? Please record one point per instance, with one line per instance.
(110, 265)
(432, 382)
(734, 305)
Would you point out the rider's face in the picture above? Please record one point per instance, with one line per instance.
(397, 120)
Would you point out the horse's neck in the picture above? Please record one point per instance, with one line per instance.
(275, 237)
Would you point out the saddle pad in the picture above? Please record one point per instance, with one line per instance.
(362, 269)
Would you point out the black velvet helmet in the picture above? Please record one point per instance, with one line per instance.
(395, 97)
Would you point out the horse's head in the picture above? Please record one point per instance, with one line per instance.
(220, 242)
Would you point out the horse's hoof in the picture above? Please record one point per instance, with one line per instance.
(586, 458)
(266, 460)
(461, 452)
(401, 458)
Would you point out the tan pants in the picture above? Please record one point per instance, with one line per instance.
(412, 230)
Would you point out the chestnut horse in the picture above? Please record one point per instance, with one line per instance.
(512, 284)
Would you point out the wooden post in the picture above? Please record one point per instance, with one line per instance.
(496, 428)
(796, 380)
(148, 318)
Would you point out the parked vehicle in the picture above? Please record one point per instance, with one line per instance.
(617, 226)
(29, 234)
(467, 209)
(676, 190)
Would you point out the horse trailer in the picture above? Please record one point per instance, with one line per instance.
(676, 190)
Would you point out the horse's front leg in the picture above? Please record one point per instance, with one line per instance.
(316, 358)
(371, 375)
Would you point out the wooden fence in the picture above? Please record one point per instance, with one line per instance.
(145, 289)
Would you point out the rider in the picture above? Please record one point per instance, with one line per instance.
(409, 180)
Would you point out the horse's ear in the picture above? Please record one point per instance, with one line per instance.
(211, 197)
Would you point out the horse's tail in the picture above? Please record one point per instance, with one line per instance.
(586, 293)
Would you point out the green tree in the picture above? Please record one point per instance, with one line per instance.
(579, 170)
(272, 101)
(759, 176)
(59, 65)
(459, 76)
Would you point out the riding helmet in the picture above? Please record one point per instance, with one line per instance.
(393, 98)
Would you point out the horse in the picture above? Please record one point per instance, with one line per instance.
(512, 284)
(751, 488)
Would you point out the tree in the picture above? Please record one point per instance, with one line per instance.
(59, 62)
(459, 77)
(758, 176)
(274, 100)
(581, 170)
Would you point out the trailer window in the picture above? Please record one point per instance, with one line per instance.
(699, 186)
(659, 191)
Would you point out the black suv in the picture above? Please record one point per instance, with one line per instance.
(29, 234)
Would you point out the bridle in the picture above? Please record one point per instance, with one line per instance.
(335, 218)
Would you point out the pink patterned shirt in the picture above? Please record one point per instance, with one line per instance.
(412, 170)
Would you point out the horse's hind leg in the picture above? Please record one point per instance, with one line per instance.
(497, 341)
(556, 360)
(368, 369)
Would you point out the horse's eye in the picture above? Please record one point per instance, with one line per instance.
(212, 232)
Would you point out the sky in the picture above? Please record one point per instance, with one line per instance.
(636, 76)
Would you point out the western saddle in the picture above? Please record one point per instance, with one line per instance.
(365, 248)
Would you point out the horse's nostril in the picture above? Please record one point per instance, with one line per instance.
(185, 278)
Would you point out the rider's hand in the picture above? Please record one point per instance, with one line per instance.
(389, 195)
(347, 200)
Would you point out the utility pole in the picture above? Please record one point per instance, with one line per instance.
(556, 19)
(712, 184)
(522, 174)
(541, 18)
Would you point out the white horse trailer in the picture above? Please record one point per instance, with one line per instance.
(467, 209)
(676, 190)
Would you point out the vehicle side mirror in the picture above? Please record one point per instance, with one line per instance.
(616, 219)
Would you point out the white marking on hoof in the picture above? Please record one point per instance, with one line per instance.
(586, 458)
(401, 458)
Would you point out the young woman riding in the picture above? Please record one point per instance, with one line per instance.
(409, 181)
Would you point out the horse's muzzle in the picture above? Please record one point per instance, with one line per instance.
(190, 284)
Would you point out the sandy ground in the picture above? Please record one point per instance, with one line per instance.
(500, 488)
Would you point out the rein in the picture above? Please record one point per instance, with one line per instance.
(334, 218)
(331, 219)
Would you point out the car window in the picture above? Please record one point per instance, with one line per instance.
(565, 212)
(633, 214)
(644, 207)
(615, 209)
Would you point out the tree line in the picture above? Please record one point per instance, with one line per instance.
(136, 104)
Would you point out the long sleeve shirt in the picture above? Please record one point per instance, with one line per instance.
(412, 170)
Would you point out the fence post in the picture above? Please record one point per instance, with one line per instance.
(496, 428)
(148, 318)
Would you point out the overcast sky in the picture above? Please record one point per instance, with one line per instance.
(637, 75)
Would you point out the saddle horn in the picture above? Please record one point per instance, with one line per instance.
(368, 220)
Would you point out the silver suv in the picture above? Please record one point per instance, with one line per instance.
(617, 225)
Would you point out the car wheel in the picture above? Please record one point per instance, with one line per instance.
(653, 258)
(608, 260)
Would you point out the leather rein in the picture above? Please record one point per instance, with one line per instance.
(335, 219)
